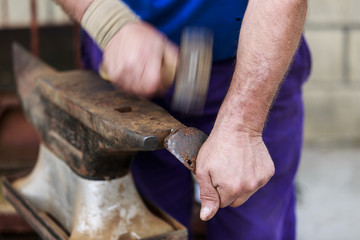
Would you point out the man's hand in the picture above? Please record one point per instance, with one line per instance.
(231, 166)
(234, 162)
(137, 56)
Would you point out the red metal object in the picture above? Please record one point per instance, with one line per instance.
(19, 142)
(184, 144)
(77, 45)
(13, 223)
(34, 29)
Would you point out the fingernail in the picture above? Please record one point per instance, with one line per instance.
(204, 213)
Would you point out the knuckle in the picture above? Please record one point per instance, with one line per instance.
(152, 82)
(233, 189)
(126, 66)
(250, 186)
(130, 67)
(201, 174)
(266, 177)
(246, 189)
(147, 91)
(263, 181)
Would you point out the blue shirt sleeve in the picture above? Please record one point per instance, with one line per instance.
(224, 18)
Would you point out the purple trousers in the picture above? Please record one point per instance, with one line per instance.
(270, 212)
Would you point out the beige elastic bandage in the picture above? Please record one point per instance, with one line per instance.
(104, 18)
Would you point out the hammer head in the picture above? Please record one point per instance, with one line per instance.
(193, 73)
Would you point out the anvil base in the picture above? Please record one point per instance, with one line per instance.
(59, 204)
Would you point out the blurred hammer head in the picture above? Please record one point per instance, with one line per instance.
(193, 72)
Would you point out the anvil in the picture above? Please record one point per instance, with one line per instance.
(89, 132)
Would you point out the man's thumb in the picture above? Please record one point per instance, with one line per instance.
(210, 200)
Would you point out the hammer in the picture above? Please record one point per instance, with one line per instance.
(192, 73)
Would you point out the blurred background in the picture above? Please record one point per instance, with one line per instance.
(328, 181)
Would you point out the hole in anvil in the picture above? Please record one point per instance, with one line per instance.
(123, 109)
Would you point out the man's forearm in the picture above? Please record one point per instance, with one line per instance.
(268, 39)
(75, 9)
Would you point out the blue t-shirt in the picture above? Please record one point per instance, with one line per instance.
(224, 17)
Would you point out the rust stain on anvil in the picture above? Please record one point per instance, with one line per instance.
(84, 120)
(114, 115)
(184, 144)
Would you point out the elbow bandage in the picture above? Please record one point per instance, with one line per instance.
(104, 18)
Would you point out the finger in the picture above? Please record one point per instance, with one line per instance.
(103, 72)
(122, 71)
(169, 64)
(209, 197)
(228, 194)
(239, 201)
(152, 74)
(128, 74)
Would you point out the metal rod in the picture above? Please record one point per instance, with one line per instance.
(77, 47)
(34, 29)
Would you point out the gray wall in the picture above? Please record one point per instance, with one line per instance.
(332, 95)
(16, 13)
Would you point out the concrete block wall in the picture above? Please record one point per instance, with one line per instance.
(16, 13)
(332, 95)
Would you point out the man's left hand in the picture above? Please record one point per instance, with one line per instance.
(231, 166)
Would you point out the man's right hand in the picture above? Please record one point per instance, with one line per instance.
(135, 58)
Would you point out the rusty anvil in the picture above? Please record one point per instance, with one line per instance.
(81, 186)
